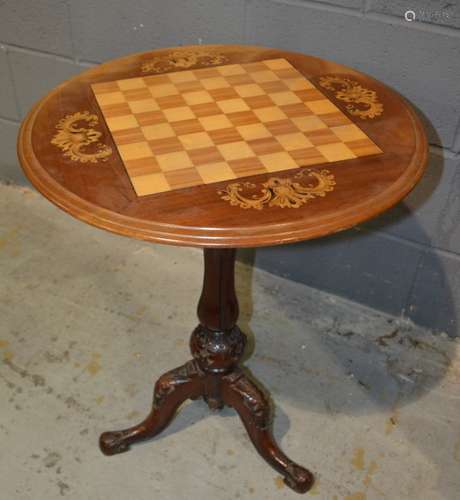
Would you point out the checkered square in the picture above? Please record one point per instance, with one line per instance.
(209, 125)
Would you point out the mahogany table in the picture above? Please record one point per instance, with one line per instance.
(221, 147)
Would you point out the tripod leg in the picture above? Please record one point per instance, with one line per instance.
(171, 390)
(253, 408)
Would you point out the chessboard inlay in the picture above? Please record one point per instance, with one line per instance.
(193, 127)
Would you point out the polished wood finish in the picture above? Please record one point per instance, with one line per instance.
(100, 192)
(69, 155)
(217, 345)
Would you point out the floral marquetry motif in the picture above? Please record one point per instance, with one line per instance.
(181, 59)
(284, 192)
(363, 102)
(74, 139)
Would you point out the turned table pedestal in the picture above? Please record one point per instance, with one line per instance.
(221, 147)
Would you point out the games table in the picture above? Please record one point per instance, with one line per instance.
(221, 147)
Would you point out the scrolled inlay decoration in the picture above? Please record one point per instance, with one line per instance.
(283, 192)
(363, 102)
(182, 59)
(74, 139)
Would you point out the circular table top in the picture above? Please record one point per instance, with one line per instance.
(69, 155)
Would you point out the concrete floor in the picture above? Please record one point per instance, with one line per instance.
(89, 320)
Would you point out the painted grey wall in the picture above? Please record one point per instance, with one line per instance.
(406, 262)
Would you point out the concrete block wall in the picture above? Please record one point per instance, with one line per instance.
(406, 262)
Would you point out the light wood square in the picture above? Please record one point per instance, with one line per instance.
(143, 106)
(110, 98)
(264, 76)
(208, 72)
(294, 141)
(233, 106)
(150, 184)
(121, 122)
(336, 152)
(160, 131)
(307, 123)
(270, 114)
(196, 141)
(254, 67)
(131, 83)
(182, 76)
(134, 151)
(235, 150)
(215, 172)
(249, 90)
(322, 107)
(163, 90)
(231, 70)
(215, 122)
(156, 79)
(178, 114)
(253, 131)
(174, 161)
(348, 133)
(277, 64)
(216, 82)
(284, 98)
(298, 84)
(137, 94)
(103, 87)
(278, 161)
(198, 97)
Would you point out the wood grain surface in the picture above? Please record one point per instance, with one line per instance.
(209, 125)
(68, 153)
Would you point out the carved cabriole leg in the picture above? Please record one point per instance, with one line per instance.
(217, 345)
(253, 408)
(170, 391)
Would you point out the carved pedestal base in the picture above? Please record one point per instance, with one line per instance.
(214, 375)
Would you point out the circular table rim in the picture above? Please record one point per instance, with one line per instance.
(241, 237)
